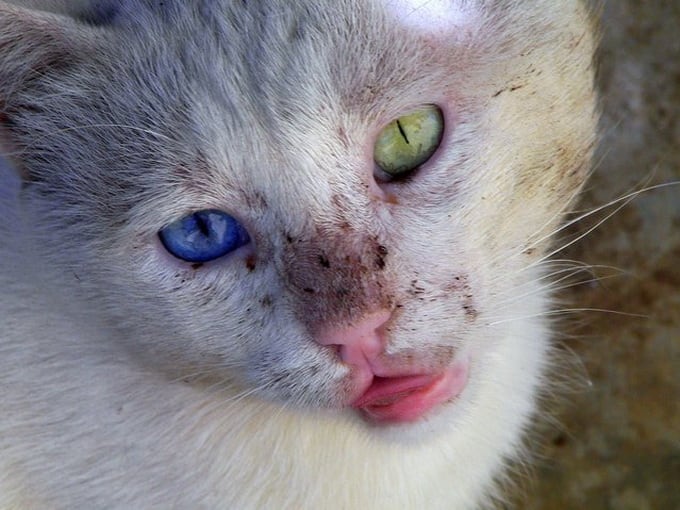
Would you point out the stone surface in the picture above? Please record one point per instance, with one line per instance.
(617, 445)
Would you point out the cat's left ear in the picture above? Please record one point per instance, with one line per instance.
(32, 44)
(436, 17)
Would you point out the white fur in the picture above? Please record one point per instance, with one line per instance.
(132, 380)
(435, 16)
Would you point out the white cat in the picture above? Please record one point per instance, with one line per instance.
(283, 254)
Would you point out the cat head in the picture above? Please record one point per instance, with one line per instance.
(266, 130)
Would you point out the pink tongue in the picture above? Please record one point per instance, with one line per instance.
(405, 399)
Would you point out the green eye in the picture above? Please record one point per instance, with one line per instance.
(409, 141)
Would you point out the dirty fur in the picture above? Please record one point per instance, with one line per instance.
(132, 380)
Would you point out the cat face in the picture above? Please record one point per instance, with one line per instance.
(348, 286)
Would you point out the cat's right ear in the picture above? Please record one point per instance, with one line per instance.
(32, 43)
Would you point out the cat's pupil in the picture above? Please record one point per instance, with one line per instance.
(202, 225)
(402, 132)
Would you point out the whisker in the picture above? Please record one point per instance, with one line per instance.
(622, 201)
(571, 199)
(233, 400)
(580, 283)
(549, 281)
(567, 311)
(553, 288)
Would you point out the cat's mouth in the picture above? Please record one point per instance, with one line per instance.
(408, 398)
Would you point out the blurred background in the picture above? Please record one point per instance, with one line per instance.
(616, 444)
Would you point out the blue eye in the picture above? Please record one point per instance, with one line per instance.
(203, 236)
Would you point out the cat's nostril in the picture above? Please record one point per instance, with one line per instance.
(363, 340)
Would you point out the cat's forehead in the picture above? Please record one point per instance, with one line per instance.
(432, 16)
(303, 48)
(279, 94)
(256, 41)
(290, 90)
(424, 15)
(282, 58)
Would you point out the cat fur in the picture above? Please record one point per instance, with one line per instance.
(132, 380)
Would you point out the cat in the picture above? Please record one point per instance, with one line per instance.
(283, 254)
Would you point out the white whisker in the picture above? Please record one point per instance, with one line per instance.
(622, 201)
(566, 311)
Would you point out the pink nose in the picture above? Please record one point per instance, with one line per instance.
(360, 342)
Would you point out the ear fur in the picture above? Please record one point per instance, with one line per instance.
(71, 7)
(31, 44)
